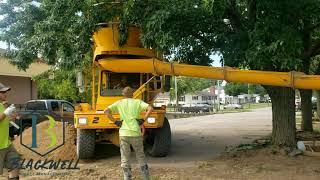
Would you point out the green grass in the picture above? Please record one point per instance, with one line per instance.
(256, 105)
(245, 108)
(232, 111)
(316, 125)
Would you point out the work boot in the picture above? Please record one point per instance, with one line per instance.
(145, 172)
(127, 174)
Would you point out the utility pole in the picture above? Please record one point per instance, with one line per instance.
(249, 98)
(218, 97)
(176, 91)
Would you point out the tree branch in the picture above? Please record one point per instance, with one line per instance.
(252, 11)
(234, 16)
(315, 49)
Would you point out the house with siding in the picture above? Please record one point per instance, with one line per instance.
(23, 88)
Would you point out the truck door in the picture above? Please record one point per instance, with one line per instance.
(56, 112)
(68, 111)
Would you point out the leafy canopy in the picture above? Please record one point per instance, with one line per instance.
(264, 34)
(57, 31)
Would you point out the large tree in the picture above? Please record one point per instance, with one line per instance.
(252, 34)
(262, 35)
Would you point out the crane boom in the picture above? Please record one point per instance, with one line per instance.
(157, 67)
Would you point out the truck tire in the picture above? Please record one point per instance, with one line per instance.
(86, 141)
(160, 141)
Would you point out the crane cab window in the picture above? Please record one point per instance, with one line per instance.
(113, 83)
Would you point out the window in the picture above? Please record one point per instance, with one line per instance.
(194, 97)
(182, 98)
(113, 83)
(55, 106)
(36, 105)
(67, 107)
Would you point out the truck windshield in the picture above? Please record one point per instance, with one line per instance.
(113, 83)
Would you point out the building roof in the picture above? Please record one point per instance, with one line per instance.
(201, 93)
(7, 69)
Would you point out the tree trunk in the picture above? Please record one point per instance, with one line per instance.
(283, 116)
(318, 103)
(306, 110)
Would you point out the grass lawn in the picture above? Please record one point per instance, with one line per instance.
(316, 123)
(256, 105)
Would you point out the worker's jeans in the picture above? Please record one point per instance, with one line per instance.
(137, 144)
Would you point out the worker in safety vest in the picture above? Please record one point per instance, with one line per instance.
(131, 130)
(9, 158)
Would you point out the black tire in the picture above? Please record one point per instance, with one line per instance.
(161, 141)
(86, 141)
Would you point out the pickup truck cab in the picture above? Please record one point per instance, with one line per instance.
(58, 109)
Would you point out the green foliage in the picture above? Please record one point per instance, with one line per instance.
(179, 27)
(59, 84)
(57, 31)
(266, 35)
(190, 85)
(235, 89)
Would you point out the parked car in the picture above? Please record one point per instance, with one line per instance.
(195, 108)
(58, 109)
(232, 106)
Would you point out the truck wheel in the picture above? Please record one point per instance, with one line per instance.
(159, 143)
(86, 141)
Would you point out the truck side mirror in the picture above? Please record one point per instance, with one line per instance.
(80, 81)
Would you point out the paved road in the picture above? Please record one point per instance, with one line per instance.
(205, 137)
(194, 139)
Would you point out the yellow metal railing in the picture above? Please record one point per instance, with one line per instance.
(139, 92)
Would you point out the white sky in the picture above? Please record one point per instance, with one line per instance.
(216, 60)
(3, 45)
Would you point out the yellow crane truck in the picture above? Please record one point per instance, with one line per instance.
(145, 70)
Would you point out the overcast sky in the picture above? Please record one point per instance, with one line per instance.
(2, 45)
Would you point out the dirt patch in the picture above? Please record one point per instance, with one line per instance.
(265, 163)
(44, 141)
